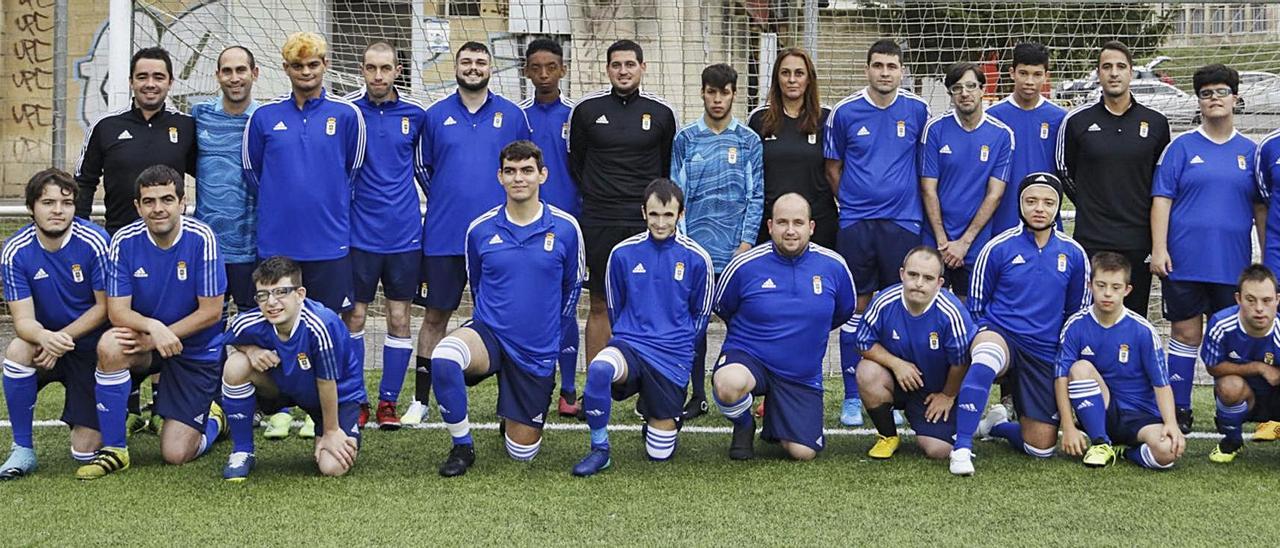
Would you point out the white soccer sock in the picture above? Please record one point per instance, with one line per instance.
(522, 453)
(659, 444)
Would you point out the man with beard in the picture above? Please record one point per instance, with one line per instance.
(55, 286)
(462, 137)
(964, 164)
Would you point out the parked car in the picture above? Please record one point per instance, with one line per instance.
(1180, 108)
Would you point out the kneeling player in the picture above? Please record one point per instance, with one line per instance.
(659, 295)
(54, 284)
(914, 341)
(780, 301)
(1240, 351)
(1027, 281)
(291, 351)
(525, 266)
(1111, 371)
(164, 296)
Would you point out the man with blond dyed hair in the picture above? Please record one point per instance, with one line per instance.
(301, 154)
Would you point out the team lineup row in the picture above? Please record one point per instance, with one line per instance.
(263, 170)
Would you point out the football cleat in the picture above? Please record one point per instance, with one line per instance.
(898, 419)
(239, 464)
(568, 406)
(134, 424)
(1100, 455)
(1267, 431)
(21, 462)
(216, 413)
(460, 458)
(108, 460)
(884, 448)
(961, 462)
(386, 416)
(595, 462)
(1224, 455)
(997, 414)
(1185, 420)
(308, 430)
(694, 409)
(743, 445)
(760, 408)
(278, 426)
(363, 419)
(416, 414)
(851, 412)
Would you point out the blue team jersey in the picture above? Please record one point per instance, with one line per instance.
(1128, 355)
(301, 164)
(659, 295)
(963, 161)
(781, 309)
(1036, 133)
(1213, 191)
(550, 124)
(316, 349)
(166, 284)
(722, 177)
(1028, 291)
(524, 279)
(1266, 166)
(222, 200)
(460, 165)
(879, 148)
(60, 283)
(934, 341)
(1226, 341)
(385, 217)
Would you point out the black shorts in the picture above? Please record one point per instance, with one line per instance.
(398, 273)
(1123, 425)
(1266, 400)
(75, 370)
(240, 288)
(522, 396)
(659, 397)
(599, 242)
(1187, 300)
(792, 410)
(874, 250)
(442, 279)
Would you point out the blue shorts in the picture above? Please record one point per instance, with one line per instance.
(328, 282)
(913, 406)
(792, 410)
(1033, 380)
(441, 278)
(874, 250)
(75, 371)
(1123, 425)
(522, 396)
(1266, 400)
(398, 273)
(240, 287)
(348, 412)
(659, 397)
(187, 387)
(1186, 300)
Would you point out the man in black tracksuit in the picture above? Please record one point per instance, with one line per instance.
(1107, 154)
(123, 143)
(619, 142)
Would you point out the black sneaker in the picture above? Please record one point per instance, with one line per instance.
(744, 437)
(696, 407)
(460, 458)
(1185, 420)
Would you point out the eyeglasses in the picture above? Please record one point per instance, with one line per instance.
(277, 292)
(956, 89)
(1215, 92)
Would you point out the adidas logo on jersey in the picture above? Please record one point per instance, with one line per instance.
(602, 120)
(1084, 404)
(280, 126)
(1233, 355)
(1196, 160)
(895, 335)
(124, 135)
(768, 284)
(40, 275)
(968, 407)
(1019, 260)
(450, 121)
(139, 273)
(538, 418)
(862, 131)
(1088, 351)
(639, 269)
(946, 149)
(496, 239)
(696, 157)
(1094, 127)
(204, 134)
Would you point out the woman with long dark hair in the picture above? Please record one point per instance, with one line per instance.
(791, 127)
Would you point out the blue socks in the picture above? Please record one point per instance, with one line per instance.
(112, 393)
(1141, 455)
(356, 349)
(239, 402)
(448, 360)
(849, 356)
(20, 394)
(1010, 432)
(568, 354)
(597, 399)
(1231, 421)
(396, 353)
(1086, 399)
(211, 430)
(972, 400)
(1182, 371)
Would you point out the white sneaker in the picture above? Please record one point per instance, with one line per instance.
(417, 413)
(997, 414)
(898, 419)
(962, 462)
